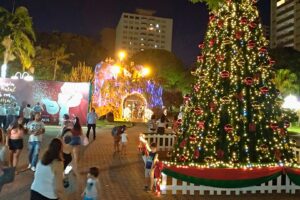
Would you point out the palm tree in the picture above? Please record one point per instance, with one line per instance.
(59, 57)
(17, 37)
(81, 73)
(286, 81)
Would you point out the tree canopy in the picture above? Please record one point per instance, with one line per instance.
(165, 68)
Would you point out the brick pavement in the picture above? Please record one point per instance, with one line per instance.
(121, 177)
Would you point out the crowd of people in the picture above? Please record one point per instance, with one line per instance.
(51, 169)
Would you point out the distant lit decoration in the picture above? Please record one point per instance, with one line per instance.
(125, 91)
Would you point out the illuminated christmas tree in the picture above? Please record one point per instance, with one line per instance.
(233, 115)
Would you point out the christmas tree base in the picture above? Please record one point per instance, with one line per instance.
(228, 181)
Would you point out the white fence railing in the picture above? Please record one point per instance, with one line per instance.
(279, 185)
(164, 142)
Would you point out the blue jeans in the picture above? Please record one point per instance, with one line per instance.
(87, 198)
(33, 148)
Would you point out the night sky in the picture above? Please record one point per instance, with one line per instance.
(88, 17)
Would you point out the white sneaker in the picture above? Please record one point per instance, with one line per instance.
(33, 169)
(29, 166)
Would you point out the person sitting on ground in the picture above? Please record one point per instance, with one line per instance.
(92, 189)
(116, 133)
(149, 167)
(48, 177)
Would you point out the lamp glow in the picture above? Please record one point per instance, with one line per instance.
(122, 55)
(291, 102)
(145, 71)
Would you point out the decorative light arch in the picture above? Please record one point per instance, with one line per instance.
(132, 94)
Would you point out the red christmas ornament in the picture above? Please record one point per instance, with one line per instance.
(244, 20)
(196, 154)
(187, 98)
(225, 74)
(248, 81)
(271, 62)
(238, 35)
(200, 58)
(264, 90)
(286, 124)
(257, 76)
(282, 132)
(251, 44)
(201, 125)
(212, 17)
(263, 50)
(182, 158)
(212, 106)
(201, 46)
(239, 96)
(252, 25)
(193, 138)
(211, 42)
(220, 23)
(183, 143)
(220, 58)
(220, 154)
(228, 128)
(252, 127)
(273, 126)
(198, 111)
(197, 87)
(277, 155)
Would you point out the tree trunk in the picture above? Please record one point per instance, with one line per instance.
(55, 69)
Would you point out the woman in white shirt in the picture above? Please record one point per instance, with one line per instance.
(48, 177)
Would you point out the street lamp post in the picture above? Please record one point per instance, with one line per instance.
(25, 76)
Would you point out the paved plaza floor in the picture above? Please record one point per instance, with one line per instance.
(121, 177)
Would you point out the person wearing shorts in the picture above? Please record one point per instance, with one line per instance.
(15, 142)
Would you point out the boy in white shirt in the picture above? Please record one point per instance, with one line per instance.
(92, 189)
(124, 140)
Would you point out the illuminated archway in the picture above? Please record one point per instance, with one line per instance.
(134, 106)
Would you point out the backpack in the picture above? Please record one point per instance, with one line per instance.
(115, 131)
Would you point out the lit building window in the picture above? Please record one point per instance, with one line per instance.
(280, 2)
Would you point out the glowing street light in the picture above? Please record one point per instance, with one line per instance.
(145, 71)
(291, 102)
(122, 55)
(25, 76)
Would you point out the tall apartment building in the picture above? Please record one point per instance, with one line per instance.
(139, 31)
(285, 23)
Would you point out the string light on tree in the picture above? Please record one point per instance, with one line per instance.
(233, 116)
